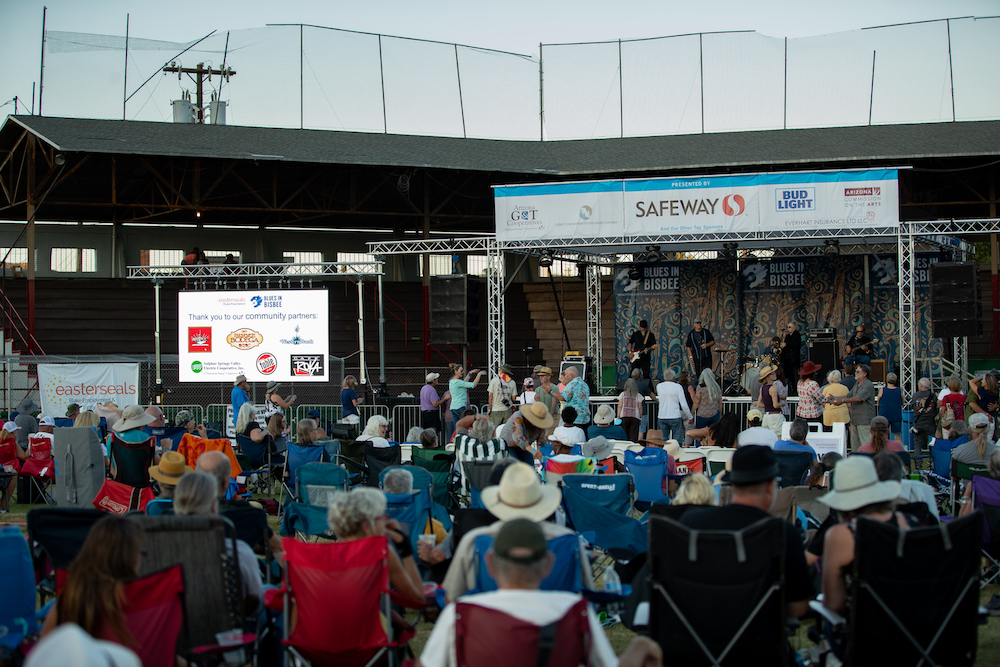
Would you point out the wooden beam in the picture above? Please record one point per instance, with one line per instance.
(160, 178)
(251, 190)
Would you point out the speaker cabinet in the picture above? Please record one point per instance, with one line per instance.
(955, 306)
(454, 306)
(826, 353)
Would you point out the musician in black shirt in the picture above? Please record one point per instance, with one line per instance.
(859, 348)
(699, 344)
(639, 345)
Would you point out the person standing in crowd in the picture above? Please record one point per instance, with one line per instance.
(349, 401)
(859, 347)
(430, 404)
(834, 412)
(502, 395)
(699, 346)
(239, 395)
(275, 404)
(641, 343)
(459, 387)
(890, 403)
(984, 398)
(630, 409)
(953, 399)
(791, 351)
(925, 411)
(848, 376)
(576, 393)
(528, 395)
(810, 397)
(770, 401)
(525, 432)
(545, 393)
(26, 420)
(707, 407)
(674, 413)
(861, 405)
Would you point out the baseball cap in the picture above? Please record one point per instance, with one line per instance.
(10, 427)
(46, 421)
(71, 408)
(521, 541)
(754, 413)
(431, 377)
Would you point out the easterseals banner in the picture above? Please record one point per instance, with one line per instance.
(264, 334)
(685, 207)
(86, 385)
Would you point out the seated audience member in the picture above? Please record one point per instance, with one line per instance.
(478, 444)
(958, 434)
(519, 561)
(90, 418)
(197, 494)
(520, 495)
(604, 425)
(602, 449)
(796, 439)
(993, 465)
(756, 434)
(157, 414)
(376, 432)
(413, 435)
(46, 428)
(913, 494)
(754, 483)
(109, 411)
(91, 596)
(184, 419)
(69, 639)
(277, 426)
(360, 514)
(978, 449)
(820, 471)
(858, 493)
(722, 433)
(13, 457)
(320, 431)
(398, 481)
(129, 427)
(428, 439)
(695, 490)
(561, 444)
(464, 422)
(306, 432)
(168, 472)
(247, 426)
(72, 411)
(524, 432)
(566, 427)
(880, 439)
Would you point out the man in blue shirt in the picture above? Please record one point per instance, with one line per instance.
(797, 438)
(239, 395)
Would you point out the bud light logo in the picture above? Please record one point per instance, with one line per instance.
(733, 205)
(795, 199)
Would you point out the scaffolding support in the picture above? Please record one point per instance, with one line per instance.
(593, 276)
(496, 321)
(908, 370)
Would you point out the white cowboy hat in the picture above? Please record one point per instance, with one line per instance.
(858, 485)
(520, 495)
(133, 417)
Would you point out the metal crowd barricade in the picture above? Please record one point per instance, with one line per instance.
(367, 411)
(197, 412)
(404, 417)
(216, 412)
(327, 413)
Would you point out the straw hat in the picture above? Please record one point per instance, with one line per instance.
(521, 495)
(133, 417)
(767, 370)
(537, 413)
(171, 468)
(858, 485)
(604, 416)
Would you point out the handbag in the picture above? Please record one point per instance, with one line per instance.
(118, 498)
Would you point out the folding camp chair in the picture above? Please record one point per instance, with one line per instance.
(439, 463)
(79, 466)
(690, 462)
(378, 459)
(565, 574)
(56, 535)
(966, 471)
(130, 461)
(477, 475)
(986, 499)
(213, 591)
(352, 457)
(251, 527)
(314, 484)
(297, 456)
(171, 433)
(261, 467)
(792, 467)
(620, 538)
(353, 631)
(914, 595)
(17, 613)
(613, 492)
(718, 458)
(546, 450)
(154, 614)
(10, 466)
(192, 447)
(648, 467)
(38, 472)
(688, 569)
(554, 468)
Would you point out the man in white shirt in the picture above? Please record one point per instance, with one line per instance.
(46, 428)
(674, 412)
(519, 561)
(756, 434)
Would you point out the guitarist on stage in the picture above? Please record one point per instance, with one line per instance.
(859, 348)
(639, 345)
(699, 344)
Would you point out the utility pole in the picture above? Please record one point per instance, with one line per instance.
(200, 73)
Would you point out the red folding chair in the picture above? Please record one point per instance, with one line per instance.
(482, 634)
(154, 614)
(341, 598)
(39, 468)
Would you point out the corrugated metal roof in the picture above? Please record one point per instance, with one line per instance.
(596, 156)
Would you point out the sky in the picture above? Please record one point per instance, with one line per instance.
(509, 25)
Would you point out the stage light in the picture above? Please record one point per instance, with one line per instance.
(653, 254)
(728, 251)
(832, 247)
(545, 261)
(634, 273)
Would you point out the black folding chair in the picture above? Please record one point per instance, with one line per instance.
(792, 467)
(717, 596)
(130, 461)
(56, 535)
(378, 459)
(251, 527)
(260, 459)
(915, 595)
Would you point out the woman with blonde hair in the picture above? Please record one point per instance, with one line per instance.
(979, 449)
(349, 401)
(695, 489)
(275, 404)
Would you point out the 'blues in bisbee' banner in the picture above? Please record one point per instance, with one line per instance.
(696, 206)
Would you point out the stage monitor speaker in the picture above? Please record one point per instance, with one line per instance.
(825, 353)
(454, 309)
(878, 370)
(955, 307)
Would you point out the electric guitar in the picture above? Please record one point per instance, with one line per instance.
(864, 349)
(634, 356)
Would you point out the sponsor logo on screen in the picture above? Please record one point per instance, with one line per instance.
(266, 363)
(295, 340)
(196, 367)
(307, 364)
(586, 212)
(199, 339)
(733, 205)
(524, 217)
(232, 301)
(795, 199)
(862, 192)
(267, 301)
(244, 339)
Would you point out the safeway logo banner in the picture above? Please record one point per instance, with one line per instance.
(683, 206)
(87, 385)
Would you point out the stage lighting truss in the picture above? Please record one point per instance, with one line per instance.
(545, 261)
(832, 247)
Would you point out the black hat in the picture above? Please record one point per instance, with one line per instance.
(644, 324)
(522, 541)
(752, 464)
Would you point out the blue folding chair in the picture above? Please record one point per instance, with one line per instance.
(64, 422)
(565, 575)
(314, 484)
(648, 467)
(173, 433)
(259, 455)
(297, 456)
(18, 618)
(547, 450)
(422, 478)
(613, 492)
(621, 537)
(416, 509)
(159, 507)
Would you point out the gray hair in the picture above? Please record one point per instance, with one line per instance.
(373, 425)
(834, 376)
(428, 438)
(398, 481)
(925, 383)
(413, 435)
(348, 512)
(636, 374)
(482, 430)
(712, 387)
(892, 378)
(798, 430)
(245, 416)
(632, 387)
(217, 465)
(572, 370)
(669, 375)
(195, 494)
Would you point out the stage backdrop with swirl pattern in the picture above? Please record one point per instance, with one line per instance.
(744, 310)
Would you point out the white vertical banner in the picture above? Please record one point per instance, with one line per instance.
(87, 385)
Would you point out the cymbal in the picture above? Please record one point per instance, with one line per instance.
(722, 349)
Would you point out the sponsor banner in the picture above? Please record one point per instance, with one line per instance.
(86, 384)
(749, 203)
(263, 334)
(825, 200)
(680, 206)
(559, 211)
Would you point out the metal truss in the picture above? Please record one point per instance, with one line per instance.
(496, 328)
(223, 272)
(907, 317)
(594, 343)
(419, 246)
